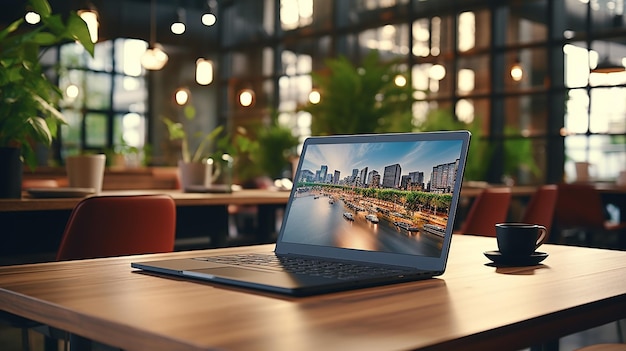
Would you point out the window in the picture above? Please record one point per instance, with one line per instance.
(104, 100)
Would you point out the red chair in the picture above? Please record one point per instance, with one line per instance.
(491, 206)
(540, 208)
(579, 208)
(104, 226)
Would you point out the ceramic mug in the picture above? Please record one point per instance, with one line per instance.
(520, 239)
(85, 171)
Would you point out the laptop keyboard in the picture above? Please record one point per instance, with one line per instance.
(306, 266)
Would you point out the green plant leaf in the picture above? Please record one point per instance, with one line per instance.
(40, 128)
(58, 116)
(190, 112)
(42, 7)
(11, 28)
(45, 39)
(77, 30)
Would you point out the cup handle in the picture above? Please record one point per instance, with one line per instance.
(543, 236)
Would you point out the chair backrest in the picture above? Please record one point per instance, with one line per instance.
(105, 226)
(579, 205)
(540, 208)
(491, 206)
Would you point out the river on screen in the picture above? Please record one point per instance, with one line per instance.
(318, 220)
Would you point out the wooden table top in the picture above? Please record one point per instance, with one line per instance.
(240, 197)
(474, 305)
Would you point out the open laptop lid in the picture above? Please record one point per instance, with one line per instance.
(380, 198)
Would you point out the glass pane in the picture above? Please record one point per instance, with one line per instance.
(527, 22)
(526, 115)
(129, 129)
(71, 132)
(443, 42)
(72, 85)
(467, 31)
(299, 55)
(606, 16)
(571, 16)
(128, 56)
(130, 94)
(294, 91)
(474, 75)
(73, 56)
(576, 111)
(482, 31)
(129, 137)
(608, 110)
(421, 38)
(606, 154)
(533, 69)
(390, 41)
(432, 80)
(248, 63)
(98, 88)
(296, 13)
(48, 56)
(576, 65)
(96, 130)
(102, 59)
(268, 62)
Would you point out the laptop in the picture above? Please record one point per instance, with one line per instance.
(365, 210)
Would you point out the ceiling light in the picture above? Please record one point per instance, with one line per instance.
(517, 73)
(32, 17)
(90, 16)
(154, 58)
(246, 97)
(178, 27)
(182, 96)
(209, 19)
(204, 71)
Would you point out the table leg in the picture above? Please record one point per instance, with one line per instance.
(267, 217)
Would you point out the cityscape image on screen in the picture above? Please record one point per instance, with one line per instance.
(388, 196)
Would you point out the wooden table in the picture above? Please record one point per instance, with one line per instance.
(473, 306)
(32, 227)
(241, 197)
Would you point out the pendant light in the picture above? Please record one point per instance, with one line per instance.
(90, 16)
(154, 58)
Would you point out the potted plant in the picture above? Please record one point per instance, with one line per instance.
(276, 149)
(361, 99)
(27, 98)
(215, 154)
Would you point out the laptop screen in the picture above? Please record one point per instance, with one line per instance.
(391, 195)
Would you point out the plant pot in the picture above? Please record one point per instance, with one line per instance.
(10, 173)
(194, 174)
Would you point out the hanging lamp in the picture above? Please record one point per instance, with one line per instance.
(154, 58)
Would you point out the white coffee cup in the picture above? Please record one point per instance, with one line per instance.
(85, 171)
